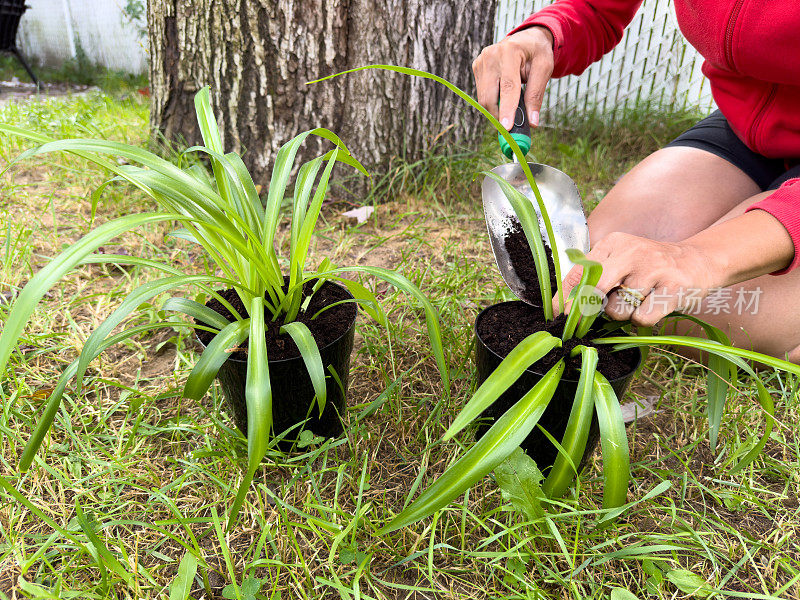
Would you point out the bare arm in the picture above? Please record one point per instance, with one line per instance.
(736, 250)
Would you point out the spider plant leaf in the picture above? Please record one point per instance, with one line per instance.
(131, 302)
(500, 129)
(524, 354)
(493, 448)
(576, 433)
(54, 400)
(299, 248)
(530, 225)
(613, 443)
(197, 311)
(216, 353)
(48, 276)
(365, 298)
(211, 138)
(258, 394)
(302, 194)
(592, 271)
(731, 353)
(281, 170)
(309, 350)
(431, 315)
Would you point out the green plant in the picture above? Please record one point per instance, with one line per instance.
(594, 393)
(224, 215)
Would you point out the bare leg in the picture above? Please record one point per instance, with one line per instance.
(677, 192)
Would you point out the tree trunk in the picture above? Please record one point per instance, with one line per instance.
(257, 56)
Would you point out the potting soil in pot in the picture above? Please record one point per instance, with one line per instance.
(502, 330)
(293, 405)
(326, 327)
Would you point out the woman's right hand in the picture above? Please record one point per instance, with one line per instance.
(502, 68)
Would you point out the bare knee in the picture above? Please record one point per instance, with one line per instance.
(794, 356)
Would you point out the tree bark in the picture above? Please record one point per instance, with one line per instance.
(257, 56)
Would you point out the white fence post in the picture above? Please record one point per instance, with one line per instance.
(652, 64)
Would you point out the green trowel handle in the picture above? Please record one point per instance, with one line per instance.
(520, 130)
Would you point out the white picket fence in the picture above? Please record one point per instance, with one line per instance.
(652, 64)
(54, 31)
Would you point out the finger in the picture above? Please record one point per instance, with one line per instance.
(538, 76)
(572, 279)
(618, 307)
(486, 69)
(657, 305)
(510, 85)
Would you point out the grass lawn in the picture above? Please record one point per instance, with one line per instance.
(134, 481)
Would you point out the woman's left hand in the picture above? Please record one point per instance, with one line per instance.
(664, 276)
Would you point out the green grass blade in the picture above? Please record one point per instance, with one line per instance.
(613, 443)
(493, 448)
(105, 558)
(309, 350)
(530, 225)
(577, 432)
(216, 353)
(527, 352)
(765, 400)
(54, 401)
(258, 393)
(48, 276)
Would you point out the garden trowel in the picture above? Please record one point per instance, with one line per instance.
(561, 199)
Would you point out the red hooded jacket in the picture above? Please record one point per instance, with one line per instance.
(752, 60)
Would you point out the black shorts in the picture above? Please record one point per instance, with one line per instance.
(714, 134)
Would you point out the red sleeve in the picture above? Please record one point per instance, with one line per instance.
(583, 30)
(784, 205)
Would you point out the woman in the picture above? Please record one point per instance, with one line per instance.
(710, 224)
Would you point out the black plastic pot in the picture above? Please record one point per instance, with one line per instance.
(555, 417)
(293, 392)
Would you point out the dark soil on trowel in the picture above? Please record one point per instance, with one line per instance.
(521, 257)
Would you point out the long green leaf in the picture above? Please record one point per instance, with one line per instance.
(576, 433)
(47, 277)
(216, 353)
(197, 311)
(431, 315)
(309, 350)
(712, 347)
(105, 558)
(524, 354)
(500, 129)
(258, 394)
(493, 448)
(592, 271)
(131, 302)
(613, 443)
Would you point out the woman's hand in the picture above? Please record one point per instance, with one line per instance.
(665, 277)
(500, 70)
